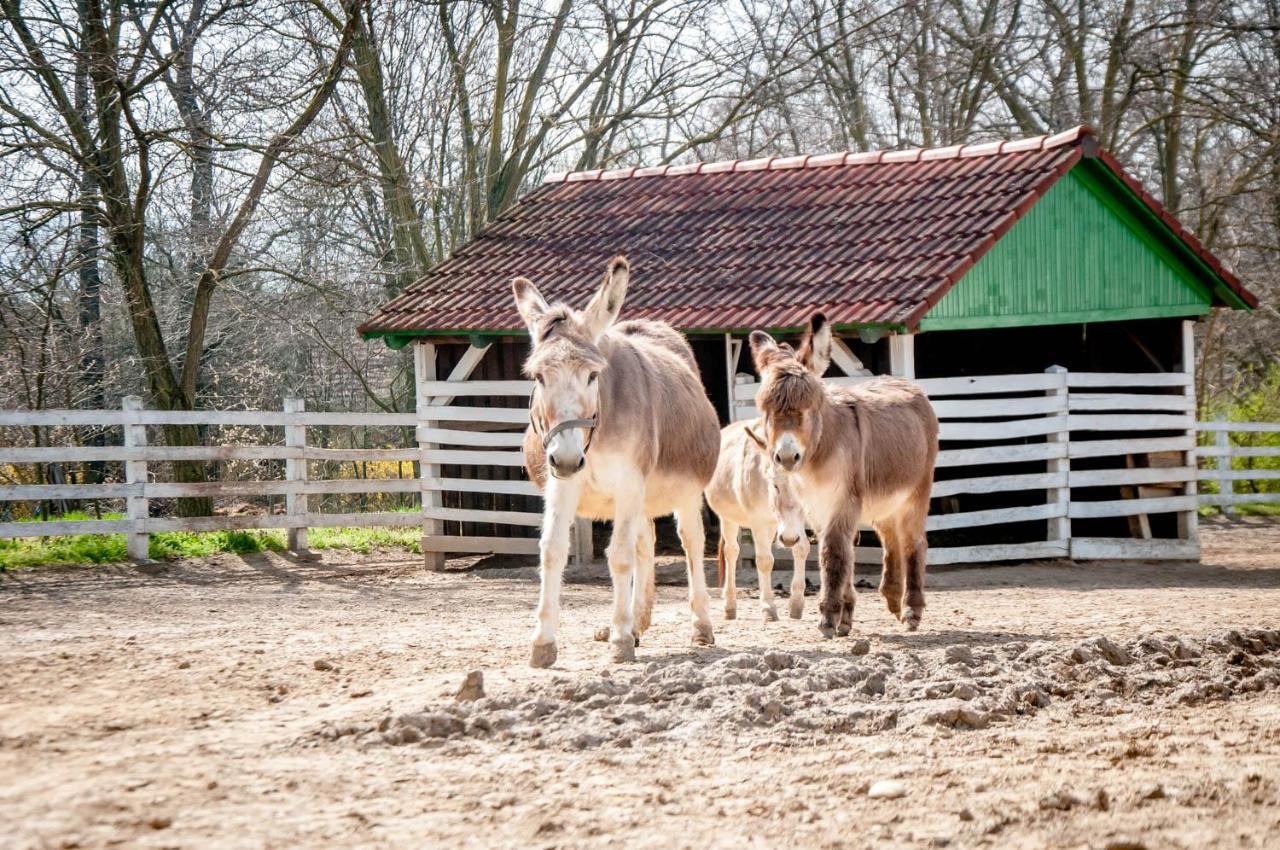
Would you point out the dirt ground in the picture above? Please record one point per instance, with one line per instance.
(258, 702)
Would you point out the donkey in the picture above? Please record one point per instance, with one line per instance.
(860, 453)
(748, 491)
(620, 428)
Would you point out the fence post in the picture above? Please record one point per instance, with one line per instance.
(1060, 526)
(137, 541)
(424, 370)
(297, 470)
(1226, 485)
(1189, 521)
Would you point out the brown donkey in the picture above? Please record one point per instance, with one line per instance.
(863, 453)
(620, 429)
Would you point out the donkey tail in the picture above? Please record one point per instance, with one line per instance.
(720, 563)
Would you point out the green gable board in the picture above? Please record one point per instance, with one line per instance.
(1085, 252)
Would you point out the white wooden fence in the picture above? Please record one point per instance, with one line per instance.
(1223, 450)
(1056, 445)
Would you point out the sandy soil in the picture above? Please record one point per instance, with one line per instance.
(260, 702)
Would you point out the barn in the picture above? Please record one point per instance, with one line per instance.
(1044, 300)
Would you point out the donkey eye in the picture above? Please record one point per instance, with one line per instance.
(540, 381)
(591, 379)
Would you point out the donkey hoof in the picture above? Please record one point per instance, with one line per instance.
(601, 634)
(911, 619)
(702, 635)
(624, 649)
(843, 629)
(828, 630)
(770, 615)
(542, 655)
(730, 613)
(797, 609)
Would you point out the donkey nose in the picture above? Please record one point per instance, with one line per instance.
(789, 541)
(786, 459)
(564, 464)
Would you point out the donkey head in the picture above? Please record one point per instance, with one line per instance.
(784, 499)
(791, 394)
(566, 363)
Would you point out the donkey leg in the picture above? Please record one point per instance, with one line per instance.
(644, 580)
(729, 535)
(627, 521)
(693, 540)
(892, 569)
(846, 611)
(800, 557)
(916, 557)
(835, 559)
(553, 552)
(763, 536)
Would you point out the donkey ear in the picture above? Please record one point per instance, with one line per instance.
(529, 301)
(756, 438)
(764, 349)
(815, 348)
(603, 309)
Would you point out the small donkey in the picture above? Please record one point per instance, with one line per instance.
(859, 453)
(748, 491)
(621, 429)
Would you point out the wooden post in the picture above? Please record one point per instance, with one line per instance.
(583, 545)
(1226, 484)
(1060, 526)
(1189, 521)
(732, 351)
(424, 370)
(137, 541)
(296, 503)
(902, 355)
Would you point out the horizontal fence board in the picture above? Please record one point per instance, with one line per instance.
(1034, 550)
(1239, 498)
(1002, 454)
(1002, 430)
(400, 519)
(1120, 401)
(1131, 507)
(481, 545)
(1239, 451)
(1128, 379)
(458, 389)
(992, 384)
(480, 485)
(1131, 422)
(264, 418)
(454, 413)
(39, 492)
(208, 453)
(1115, 548)
(988, 409)
(994, 516)
(1000, 483)
(451, 437)
(524, 518)
(1139, 475)
(472, 458)
(1254, 427)
(1131, 446)
(64, 526)
(1242, 474)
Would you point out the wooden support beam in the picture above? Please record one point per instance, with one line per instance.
(424, 370)
(297, 469)
(137, 541)
(902, 355)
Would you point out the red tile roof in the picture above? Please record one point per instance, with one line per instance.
(868, 238)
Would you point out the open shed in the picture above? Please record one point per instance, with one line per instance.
(1043, 299)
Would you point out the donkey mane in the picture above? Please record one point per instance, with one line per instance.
(789, 386)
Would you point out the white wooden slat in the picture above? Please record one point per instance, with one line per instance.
(475, 515)
(954, 431)
(1118, 548)
(27, 418)
(1239, 498)
(989, 409)
(1119, 401)
(1239, 451)
(1000, 483)
(1131, 507)
(472, 458)
(265, 418)
(482, 545)
(461, 371)
(456, 389)
(390, 519)
(39, 492)
(452, 437)
(1255, 427)
(455, 413)
(1246, 474)
(1132, 446)
(479, 485)
(55, 528)
(1001, 454)
(165, 490)
(1031, 551)
(990, 384)
(1128, 379)
(169, 453)
(1131, 422)
(994, 516)
(1137, 475)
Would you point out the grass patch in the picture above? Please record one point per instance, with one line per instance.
(28, 552)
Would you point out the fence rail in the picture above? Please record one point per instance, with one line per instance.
(1055, 445)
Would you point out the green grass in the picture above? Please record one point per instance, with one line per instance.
(28, 552)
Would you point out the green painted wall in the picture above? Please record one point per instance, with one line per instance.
(1081, 254)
